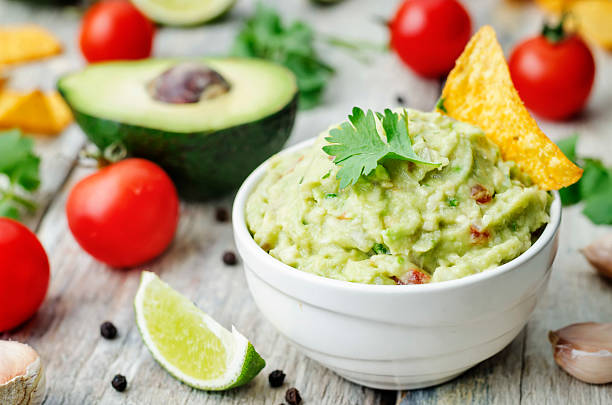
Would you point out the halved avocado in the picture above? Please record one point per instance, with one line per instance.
(208, 146)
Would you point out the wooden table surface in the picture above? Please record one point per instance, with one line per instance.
(83, 293)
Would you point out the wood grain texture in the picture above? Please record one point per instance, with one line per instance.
(84, 293)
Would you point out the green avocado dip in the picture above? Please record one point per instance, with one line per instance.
(405, 222)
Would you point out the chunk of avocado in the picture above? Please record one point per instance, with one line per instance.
(208, 145)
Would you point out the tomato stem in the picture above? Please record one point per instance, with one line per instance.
(555, 32)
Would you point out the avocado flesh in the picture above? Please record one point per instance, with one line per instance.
(209, 147)
(118, 91)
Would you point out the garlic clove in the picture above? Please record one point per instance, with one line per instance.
(22, 377)
(599, 254)
(584, 350)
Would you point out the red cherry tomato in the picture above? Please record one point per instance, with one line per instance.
(125, 214)
(115, 30)
(24, 274)
(554, 79)
(428, 35)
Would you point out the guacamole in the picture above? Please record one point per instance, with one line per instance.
(404, 223)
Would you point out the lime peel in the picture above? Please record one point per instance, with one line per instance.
(155, 306)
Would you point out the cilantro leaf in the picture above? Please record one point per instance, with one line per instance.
(568, 146)
(598, 208)
(19, 166)
(358, 148)
(594, 188)
(440, 105)
(380, 249)
(569, 195)
(265, 36)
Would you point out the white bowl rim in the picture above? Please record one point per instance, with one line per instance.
(243, 235)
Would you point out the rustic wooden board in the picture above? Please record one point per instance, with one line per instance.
(84, 293)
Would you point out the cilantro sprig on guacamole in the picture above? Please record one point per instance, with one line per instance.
(357, 146)
(400, 221)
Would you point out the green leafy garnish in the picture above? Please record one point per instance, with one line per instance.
(440, 105)
(452, 202)
(265, 36)
(594, 188)
(569, 195)
(380, 249)
(19, 166)
(357, 146)
(331, 195)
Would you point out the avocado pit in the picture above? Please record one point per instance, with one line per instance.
(188, 83)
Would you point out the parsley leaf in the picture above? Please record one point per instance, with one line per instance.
(358, 147)
(19, 167)
(265, 36)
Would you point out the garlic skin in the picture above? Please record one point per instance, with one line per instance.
(599, 254)
(22, 377)
(584, 350)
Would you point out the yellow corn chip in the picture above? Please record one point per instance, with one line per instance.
(60, 110)
(479, 91)
(8, 99)
(555, 6)
(34, 112)
(3, 77)
(26, 42)
(594, 20)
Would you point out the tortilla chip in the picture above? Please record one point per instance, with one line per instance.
(34, 112)
(554, 6)
(479, 91)
(3, 77)
(60, 110)
(26, 42)
(594, 20)
(8, 99)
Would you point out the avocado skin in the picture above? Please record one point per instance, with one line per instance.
(203, 165)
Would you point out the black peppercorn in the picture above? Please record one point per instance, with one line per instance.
(276, 378)
(292, 396)
(221, 214)
(400, 100)
(108, 330)
(119, 383)
(229, 258)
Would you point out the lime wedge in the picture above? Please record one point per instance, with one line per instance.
(183, 12)
(189, 344)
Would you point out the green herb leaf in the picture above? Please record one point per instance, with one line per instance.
(595, 178)
(569, 195)
(440, 105)
(357, 146)
(594, 188)
(380, 249)
(265, 36)
(20, 166)
(568, 146)
(598, 208)
(452, 202)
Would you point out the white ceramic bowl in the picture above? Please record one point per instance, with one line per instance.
(396, 337)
